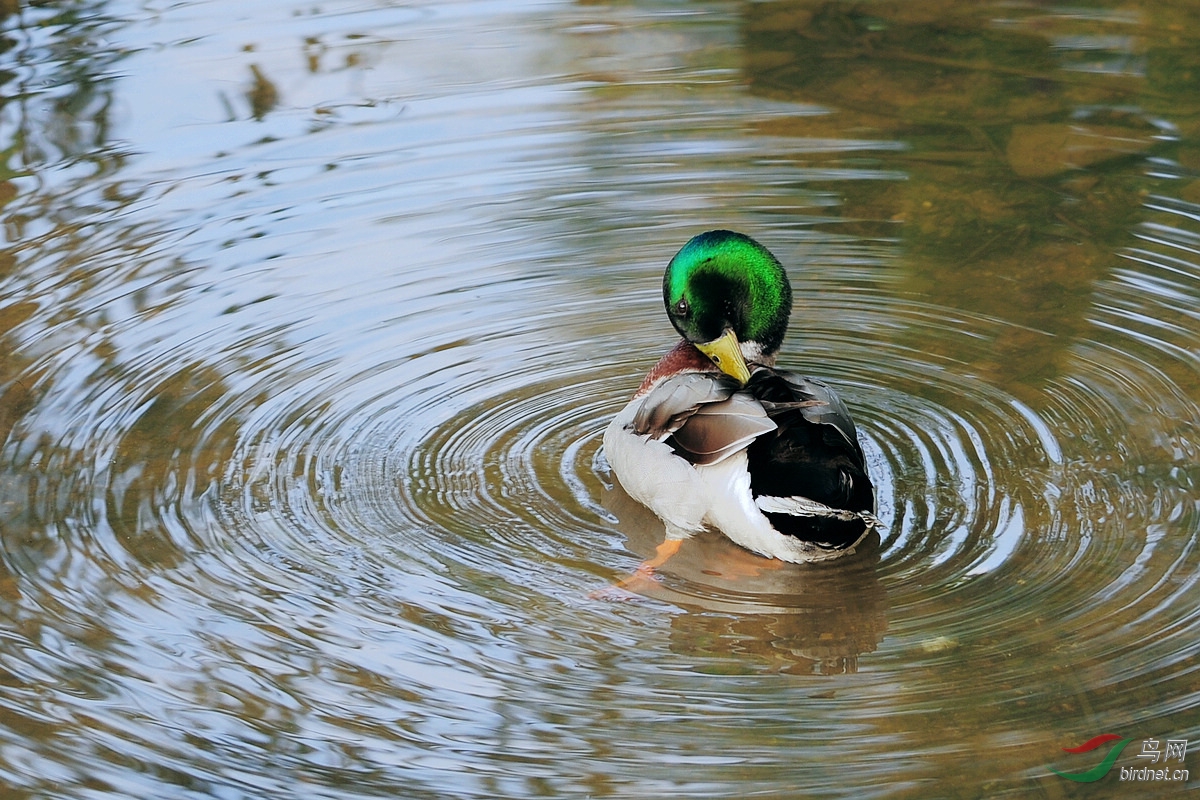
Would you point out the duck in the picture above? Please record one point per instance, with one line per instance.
(717, 438)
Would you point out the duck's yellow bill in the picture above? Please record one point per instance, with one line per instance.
(727, 355)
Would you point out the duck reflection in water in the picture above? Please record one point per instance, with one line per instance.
(760, 615)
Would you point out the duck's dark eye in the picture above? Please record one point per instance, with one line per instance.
(681, 308)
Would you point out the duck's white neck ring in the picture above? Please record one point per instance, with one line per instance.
(752, 352)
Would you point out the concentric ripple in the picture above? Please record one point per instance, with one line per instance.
(427, 525)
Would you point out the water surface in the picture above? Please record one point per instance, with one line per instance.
(312, 316)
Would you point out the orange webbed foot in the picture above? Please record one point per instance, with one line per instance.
(644, 576)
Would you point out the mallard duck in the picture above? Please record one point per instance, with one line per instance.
(716, 437)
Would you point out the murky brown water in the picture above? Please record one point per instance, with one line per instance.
(312, 315)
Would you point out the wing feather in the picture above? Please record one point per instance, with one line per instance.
(702, 416)
(718, 430)
(815, 453)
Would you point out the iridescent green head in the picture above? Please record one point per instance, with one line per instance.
(724, 284)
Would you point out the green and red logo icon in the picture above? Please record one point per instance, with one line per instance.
(1100, 770)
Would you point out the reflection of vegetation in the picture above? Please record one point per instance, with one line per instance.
(56, 101)
(263, 95)
(920, 61)
(16, 395)
(59, 91)
(1023, 177)
(167, 458)
(55, 184)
